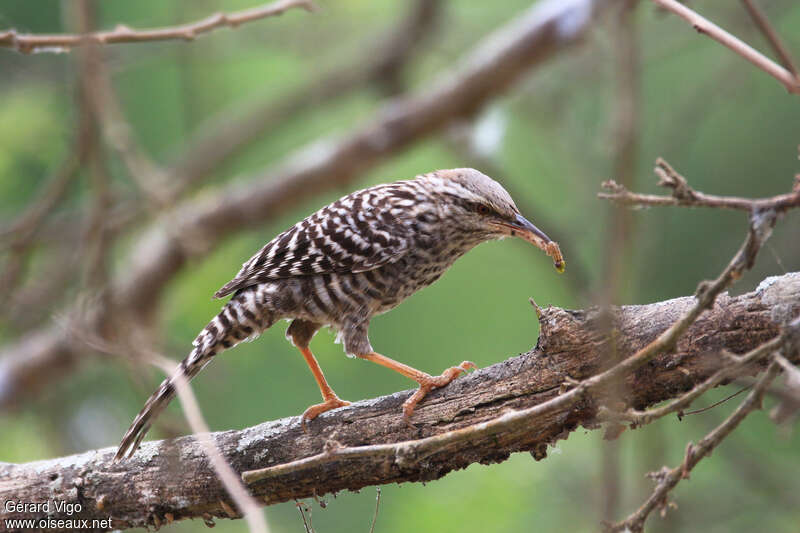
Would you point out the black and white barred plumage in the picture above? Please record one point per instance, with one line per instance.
(353, 259)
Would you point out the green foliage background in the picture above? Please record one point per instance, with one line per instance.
(726, 126)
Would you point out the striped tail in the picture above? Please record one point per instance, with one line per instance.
(239, 319)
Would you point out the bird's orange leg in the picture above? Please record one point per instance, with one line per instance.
(331, 401)
(426, 381)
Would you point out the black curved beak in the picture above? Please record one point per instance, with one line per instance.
(524, 228)
(529, 232)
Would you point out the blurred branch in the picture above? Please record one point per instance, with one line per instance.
(486, 72)
(96, 239)
(667, 479)
(705, 26)
(625, 137)
(52, 192)
(617, 269)
(30, 43)
(683, 195)
(231, 130)
(516, 405)
(771, 35)
(151, 180)
(19, 237)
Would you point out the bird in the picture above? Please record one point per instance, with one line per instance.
(351, 260)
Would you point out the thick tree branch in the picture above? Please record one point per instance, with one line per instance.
(29, 43)
(368, 443)
(485, 73)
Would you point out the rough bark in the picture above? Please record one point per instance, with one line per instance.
(170, 480)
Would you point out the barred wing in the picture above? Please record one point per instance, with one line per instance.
(356, 233)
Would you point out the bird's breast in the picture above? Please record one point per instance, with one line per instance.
(336, 298)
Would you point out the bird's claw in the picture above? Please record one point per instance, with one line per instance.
(315, 410)
(468, 365)
(433, 382)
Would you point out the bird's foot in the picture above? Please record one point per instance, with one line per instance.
(429, 383)
(314, 411)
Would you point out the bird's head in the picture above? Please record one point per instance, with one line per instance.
(482, 206)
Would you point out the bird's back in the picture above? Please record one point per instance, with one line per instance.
(357, 233)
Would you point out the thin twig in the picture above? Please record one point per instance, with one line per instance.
(300, 507)
(30, 43)
(729, 397)
(771, 35)
(684, 196)
(789, 393)
(377, 507)
(641, 418)
(735, 44)
(668, 479)
(786, 365)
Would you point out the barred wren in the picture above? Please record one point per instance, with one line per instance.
(353, 259)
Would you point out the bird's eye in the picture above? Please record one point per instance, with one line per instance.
(482, 209)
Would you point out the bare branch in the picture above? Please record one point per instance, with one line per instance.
(771, 35)
(31, 43)
(735, 44)
(455, 426)
(668, 479)
(683, 195)
(137, 346)
(706, 295)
